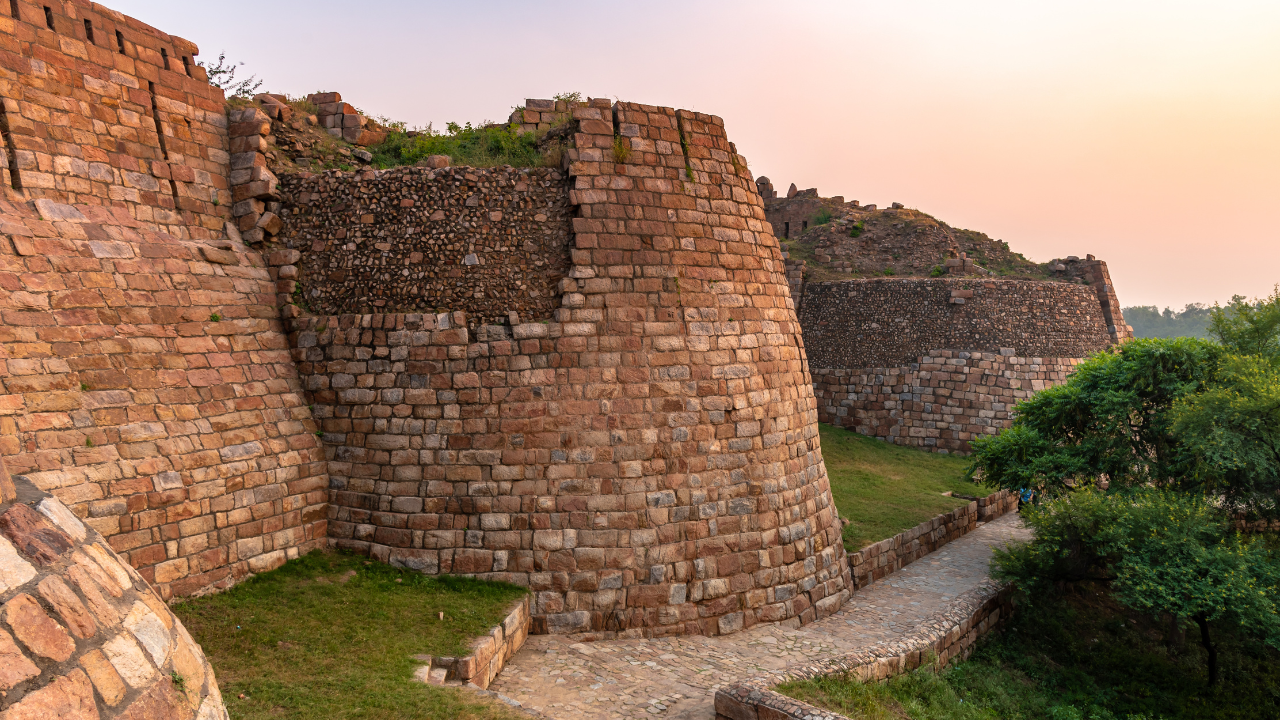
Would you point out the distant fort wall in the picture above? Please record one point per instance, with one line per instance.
(937, 362)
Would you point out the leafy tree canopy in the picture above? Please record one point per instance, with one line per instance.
(1185, 413)
(1160, 552)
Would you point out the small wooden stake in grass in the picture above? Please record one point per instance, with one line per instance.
(442, 615)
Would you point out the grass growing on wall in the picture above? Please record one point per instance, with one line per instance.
(485, 146)
(333, 636)
(1080, 657)
(883, 489)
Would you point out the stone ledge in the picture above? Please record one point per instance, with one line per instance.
(489, 654)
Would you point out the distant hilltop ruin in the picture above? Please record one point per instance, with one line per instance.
(927, 335)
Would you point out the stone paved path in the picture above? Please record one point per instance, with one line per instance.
(678, 677)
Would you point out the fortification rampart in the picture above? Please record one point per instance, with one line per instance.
(877, 367)
(146, 381)
(892, 323)
(941, 402)
(100, 109)
(647, 461)
(488, 242)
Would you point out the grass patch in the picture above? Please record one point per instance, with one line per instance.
(1074, 657)
(485, 146)
(883, 489)
(333, 635)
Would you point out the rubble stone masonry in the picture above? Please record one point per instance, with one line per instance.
(893, 322)
(484, 241)
(648, 461)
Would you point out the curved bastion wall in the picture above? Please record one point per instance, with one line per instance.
(647, 460)
(82, 634)
(937, 362)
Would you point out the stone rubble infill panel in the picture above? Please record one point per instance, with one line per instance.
(489, 654)
(82, 635)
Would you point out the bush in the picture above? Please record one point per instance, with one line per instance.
(857, 229)
(1161, 552)
(485, 146)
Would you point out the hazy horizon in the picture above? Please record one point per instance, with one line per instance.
(1143, 133)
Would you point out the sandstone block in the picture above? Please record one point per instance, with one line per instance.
(40, 633)
(70, 697)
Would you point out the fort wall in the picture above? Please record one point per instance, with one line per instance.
(647, 461)
(885, 359)
(487, 242)
(100, 109)
(892, 322)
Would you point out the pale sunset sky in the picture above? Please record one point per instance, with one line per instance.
(1146, 132)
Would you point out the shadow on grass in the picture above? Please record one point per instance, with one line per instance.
(332, 635)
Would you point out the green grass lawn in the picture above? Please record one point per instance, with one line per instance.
(331, 635)
(1075, 657)
(883, 489)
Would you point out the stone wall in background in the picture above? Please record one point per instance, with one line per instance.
(648, 461)
(941, 402)
(892, 322)
(100, 109)
(488, 242)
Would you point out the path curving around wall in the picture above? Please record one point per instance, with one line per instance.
(927, 603)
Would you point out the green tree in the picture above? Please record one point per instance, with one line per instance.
(1231, 430)
(1110, 421)
(1159, 552)
(1249, 328)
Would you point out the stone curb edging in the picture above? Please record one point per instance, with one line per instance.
(489, 653)
(882, 558)
(951, 635)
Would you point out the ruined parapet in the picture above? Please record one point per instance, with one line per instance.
(647, 461)
(82, 635)
(538, 114)
(344, 121)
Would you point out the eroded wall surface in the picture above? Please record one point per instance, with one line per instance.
(485, 241)
(893, 322)
(648, 461)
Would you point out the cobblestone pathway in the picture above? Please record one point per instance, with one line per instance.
(678, 677)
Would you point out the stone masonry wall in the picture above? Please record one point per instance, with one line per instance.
(648, 461)
(484, 241)
(890, 323)
(145, 380)
(941, 402)
(100, 109)
(82, 635)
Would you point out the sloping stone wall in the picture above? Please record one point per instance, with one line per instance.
(941, 402)
(124, 117)
(82, 635)
(484, 241)
(145, 380)
(648, 461)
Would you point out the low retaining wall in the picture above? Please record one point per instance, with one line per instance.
(939, 403)
(877, 560)
(489, 654)
(951, 637)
